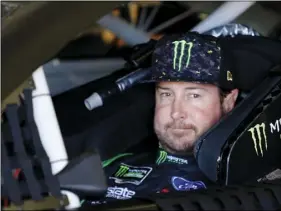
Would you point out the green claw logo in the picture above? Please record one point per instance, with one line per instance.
(122, 171)
(182, 44)
(162, 157)
(261, 137)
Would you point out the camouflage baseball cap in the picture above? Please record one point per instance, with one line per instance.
(186, 57)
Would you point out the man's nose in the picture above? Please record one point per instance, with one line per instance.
(178, 110)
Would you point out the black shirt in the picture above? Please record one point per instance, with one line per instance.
(145, 174)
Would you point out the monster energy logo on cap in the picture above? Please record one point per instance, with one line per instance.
(260, 138)
(122, 171)
(182, 45)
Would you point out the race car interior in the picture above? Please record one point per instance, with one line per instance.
(245, 131)
(238, 162)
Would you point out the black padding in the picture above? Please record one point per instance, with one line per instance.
(249, 60)
(256, 151)
(84, 176)
(214, 149)
(23, 151)
(11, 187)
(247, 197)
(254, 197)
(24, 159)
(124, 121)
(70, 107)
(35, 141)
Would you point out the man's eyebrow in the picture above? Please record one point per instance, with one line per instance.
(187, 88)
(193, 88)
(161, 87)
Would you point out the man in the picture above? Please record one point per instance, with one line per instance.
(185, 110)
(188, 101)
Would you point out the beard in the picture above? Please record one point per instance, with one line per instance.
(177, 137)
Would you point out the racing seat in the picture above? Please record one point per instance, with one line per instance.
(249, 145)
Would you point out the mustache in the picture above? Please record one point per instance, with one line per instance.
(180, 125)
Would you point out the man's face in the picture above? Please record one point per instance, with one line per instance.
(184, 111)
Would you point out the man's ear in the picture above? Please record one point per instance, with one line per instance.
(229, 100)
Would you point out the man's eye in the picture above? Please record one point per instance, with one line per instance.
(165, 94)
(195, 95)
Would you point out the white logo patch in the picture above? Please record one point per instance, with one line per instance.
(119, 193)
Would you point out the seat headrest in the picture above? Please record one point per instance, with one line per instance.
(247, 57)
(245, 145)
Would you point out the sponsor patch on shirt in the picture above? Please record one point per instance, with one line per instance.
(119, 193)
(181, 184)
(131, 174)
(164, 157)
